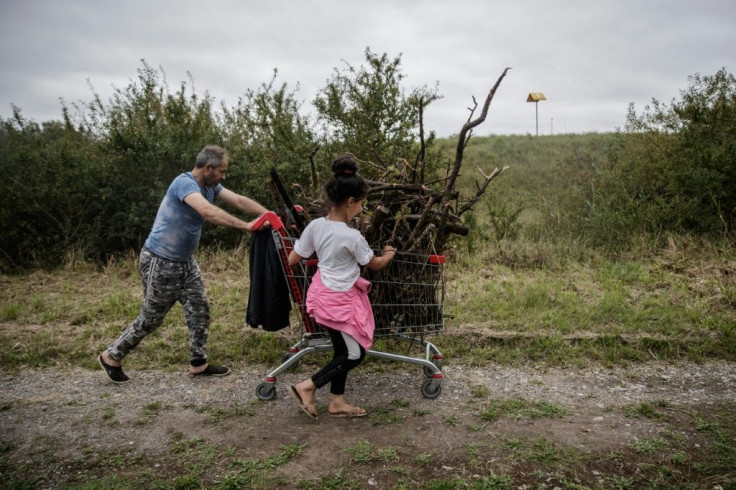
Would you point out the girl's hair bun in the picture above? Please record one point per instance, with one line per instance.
(345, 181)
(344, 165)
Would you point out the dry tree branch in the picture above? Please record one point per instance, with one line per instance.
(409, 245)
(370, 164)
(481, 189)
(468, 126)
(383, 187)
(459, 152)
(313, 167)
(424, 235)
(421, 156)
(471, 110)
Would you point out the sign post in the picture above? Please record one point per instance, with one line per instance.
(536, 97)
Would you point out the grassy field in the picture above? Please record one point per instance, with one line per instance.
(543, 310)
(520, 286)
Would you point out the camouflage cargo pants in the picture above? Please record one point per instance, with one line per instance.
(164, 283)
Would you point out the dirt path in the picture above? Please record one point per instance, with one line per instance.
(73, 421)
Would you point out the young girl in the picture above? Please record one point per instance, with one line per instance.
(337, 299)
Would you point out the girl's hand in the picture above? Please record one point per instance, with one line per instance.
(379, 262)
(389, 248)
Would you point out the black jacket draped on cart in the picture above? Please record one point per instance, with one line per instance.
(268, 299)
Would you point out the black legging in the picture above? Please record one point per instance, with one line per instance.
(336, 371)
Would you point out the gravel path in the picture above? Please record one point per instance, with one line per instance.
(79, 414)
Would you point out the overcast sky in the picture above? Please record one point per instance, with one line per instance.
(590, 58)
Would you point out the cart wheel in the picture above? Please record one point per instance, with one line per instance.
(428, 391)
(266, 391)
(286, 357)
(428, 372)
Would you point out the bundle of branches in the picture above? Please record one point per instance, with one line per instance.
(410, 213)
(417, 217)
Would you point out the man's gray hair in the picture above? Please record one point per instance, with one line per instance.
(212, 155)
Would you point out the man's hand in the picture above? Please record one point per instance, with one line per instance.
(259, 223)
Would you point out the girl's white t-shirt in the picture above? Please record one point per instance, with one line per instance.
(339, 248)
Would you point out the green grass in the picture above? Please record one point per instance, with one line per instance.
(518, 408)
(493, 459)
(676, 305)
(646, 410)
(361, 452)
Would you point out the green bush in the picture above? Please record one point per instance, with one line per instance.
(51, 193)
(88, 186)
(366, 111)
(672, 171)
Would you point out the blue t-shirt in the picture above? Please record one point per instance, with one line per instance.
(177, 227)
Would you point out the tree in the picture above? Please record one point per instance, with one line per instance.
(147, 136)
(266, 130)
(673, 170)
(365, 110)
(49, 192)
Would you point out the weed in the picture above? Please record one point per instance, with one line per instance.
(217, 415)
(423, 458)
(649, 445)
(493, 482)
(480, 391)
(518, 408)
(361, 452)
(400, 403)
(108, 413)
(179, 445)
(679, 457)
(645, 410)
(148, 413)
(614, 455)
(383, 415)
(10, 313)
(339, 480)
(621, 482)
(258, 473)
(387, 455)
(187, 482)
(473, 452)
(445, 484)
(704, 424)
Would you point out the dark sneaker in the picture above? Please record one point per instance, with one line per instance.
(212, 370)
(115, 373)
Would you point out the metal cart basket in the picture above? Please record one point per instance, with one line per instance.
(407, 298)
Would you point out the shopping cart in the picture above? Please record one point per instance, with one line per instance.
(405, 310)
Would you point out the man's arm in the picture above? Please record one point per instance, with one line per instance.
(214, 214)
(245, 204)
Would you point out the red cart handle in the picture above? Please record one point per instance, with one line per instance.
(270, 217)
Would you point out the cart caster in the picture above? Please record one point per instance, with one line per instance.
(266, 391)
(428, 372)
(431, 388)
(285, 358)
(437, 361)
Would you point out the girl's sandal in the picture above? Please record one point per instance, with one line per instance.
(351, 412)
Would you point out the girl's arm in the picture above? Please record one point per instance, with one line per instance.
(294, 258)
(378, 263)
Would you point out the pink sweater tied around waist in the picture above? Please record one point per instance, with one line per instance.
(347, 311)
